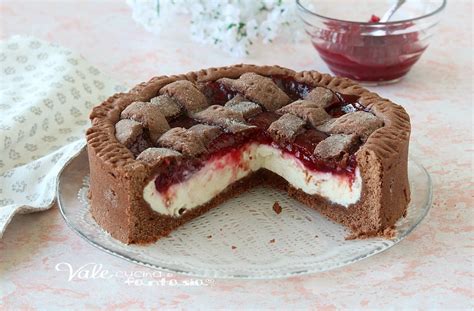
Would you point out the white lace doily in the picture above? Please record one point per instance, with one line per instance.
(244, 237)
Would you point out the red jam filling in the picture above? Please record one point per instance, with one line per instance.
(374, 19)
(360, 53)
(217, 93)
(232, 144)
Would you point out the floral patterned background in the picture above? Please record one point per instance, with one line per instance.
(432, 268)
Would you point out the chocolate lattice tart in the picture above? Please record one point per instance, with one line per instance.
(175, 147)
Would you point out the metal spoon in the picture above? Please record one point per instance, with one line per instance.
(385, 18)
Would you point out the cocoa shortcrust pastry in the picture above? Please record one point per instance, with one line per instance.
(174, 147)
(277, 207)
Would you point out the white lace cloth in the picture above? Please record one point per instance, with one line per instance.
(46, 94)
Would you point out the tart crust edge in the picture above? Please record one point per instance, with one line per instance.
(117, 179)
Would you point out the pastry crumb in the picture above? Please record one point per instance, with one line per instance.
(277, 207)
(390, 232)
(387, 233)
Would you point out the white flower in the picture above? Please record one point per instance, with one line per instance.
(231, 25)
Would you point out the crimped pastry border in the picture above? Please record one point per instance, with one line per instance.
(387, 143)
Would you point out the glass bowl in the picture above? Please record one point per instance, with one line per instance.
(354, 44)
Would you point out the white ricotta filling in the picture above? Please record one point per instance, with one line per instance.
(217, 174)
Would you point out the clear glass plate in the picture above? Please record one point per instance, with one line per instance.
(244, 237)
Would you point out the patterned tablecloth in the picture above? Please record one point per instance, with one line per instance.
(43, 263)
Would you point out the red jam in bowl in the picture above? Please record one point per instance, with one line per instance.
(366, 52)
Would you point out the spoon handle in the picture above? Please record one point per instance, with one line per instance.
(391, 11)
